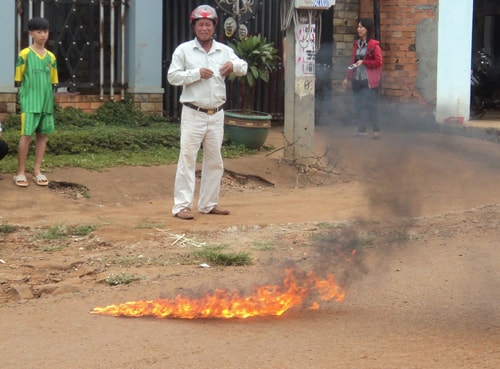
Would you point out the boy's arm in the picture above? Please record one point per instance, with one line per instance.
(54, 77)
(20, 66)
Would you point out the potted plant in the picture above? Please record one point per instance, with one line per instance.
(246, 126)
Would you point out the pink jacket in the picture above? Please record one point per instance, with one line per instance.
(372, 62)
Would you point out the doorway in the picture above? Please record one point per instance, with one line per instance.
(485, 61)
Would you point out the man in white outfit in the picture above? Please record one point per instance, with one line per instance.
(201, 66)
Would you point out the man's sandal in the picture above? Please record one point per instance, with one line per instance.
(41, 180)
(184, 214)
(218, 211)
(20, 180)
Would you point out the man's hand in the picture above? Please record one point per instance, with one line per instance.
(206, 73)
(226, 69)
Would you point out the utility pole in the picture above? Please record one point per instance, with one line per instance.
(303, 16)
(299, 94)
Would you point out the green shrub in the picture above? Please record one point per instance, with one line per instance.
(116, 134)
(73, 118)
(121, 113)
(110, 139)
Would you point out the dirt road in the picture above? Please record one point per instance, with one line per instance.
(422, 292)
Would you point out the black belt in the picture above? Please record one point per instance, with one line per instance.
(207, 111)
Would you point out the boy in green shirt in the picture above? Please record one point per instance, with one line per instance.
(36, 73)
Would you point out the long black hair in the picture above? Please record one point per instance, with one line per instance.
(369, 25)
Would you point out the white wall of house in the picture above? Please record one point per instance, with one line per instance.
(8, 60)
(144, 49)
(454, 59)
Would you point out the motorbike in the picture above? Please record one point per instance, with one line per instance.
(484, 84)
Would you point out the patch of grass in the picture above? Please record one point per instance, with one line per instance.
(361, 240)
(92, 160)
(324, 237)
(126, 261)
(400, 237)
(55, 238)
(262, 245)
(52, 247)
(136, 261)
(7, 228)
(215, 256)
(122, 278)
(52, 233)
(82, 230)
(343, 236)
(147, 225)
(327, 225)
(59, 232)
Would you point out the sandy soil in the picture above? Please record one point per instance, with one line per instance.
(421, 209)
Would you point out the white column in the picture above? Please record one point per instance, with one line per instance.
(144, 47)
(8, 59)
(454, 59)
(299, 93)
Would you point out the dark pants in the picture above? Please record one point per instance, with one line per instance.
(4, 149)
(365, 106)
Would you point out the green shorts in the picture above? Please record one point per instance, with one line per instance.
(32, 123)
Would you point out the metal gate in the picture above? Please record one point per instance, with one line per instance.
(265, 20)
(88, 39)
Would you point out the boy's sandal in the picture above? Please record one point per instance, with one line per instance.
(20, 180)
(41, 180)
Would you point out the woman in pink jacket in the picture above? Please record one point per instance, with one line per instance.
(364, 74)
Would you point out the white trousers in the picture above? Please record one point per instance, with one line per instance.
(199, 129)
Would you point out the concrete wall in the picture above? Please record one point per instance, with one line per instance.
(144, 50)
(409, 46)
(7, 29)
(454, 60)
(8, 60)
(143, 53)
(427, 53)
(426, 47)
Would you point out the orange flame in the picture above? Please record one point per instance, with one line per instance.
(268, 300)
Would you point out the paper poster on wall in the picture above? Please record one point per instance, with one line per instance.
(305, 52)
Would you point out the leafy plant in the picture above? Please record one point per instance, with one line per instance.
(122, 113)
(262, 57)
(72, 117)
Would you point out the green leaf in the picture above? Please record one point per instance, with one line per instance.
(262, 58)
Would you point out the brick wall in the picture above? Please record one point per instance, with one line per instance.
(345, 22)
(147, 103)
(398, 23)
(7, 105)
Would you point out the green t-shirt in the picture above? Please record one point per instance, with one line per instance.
(36, 73)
